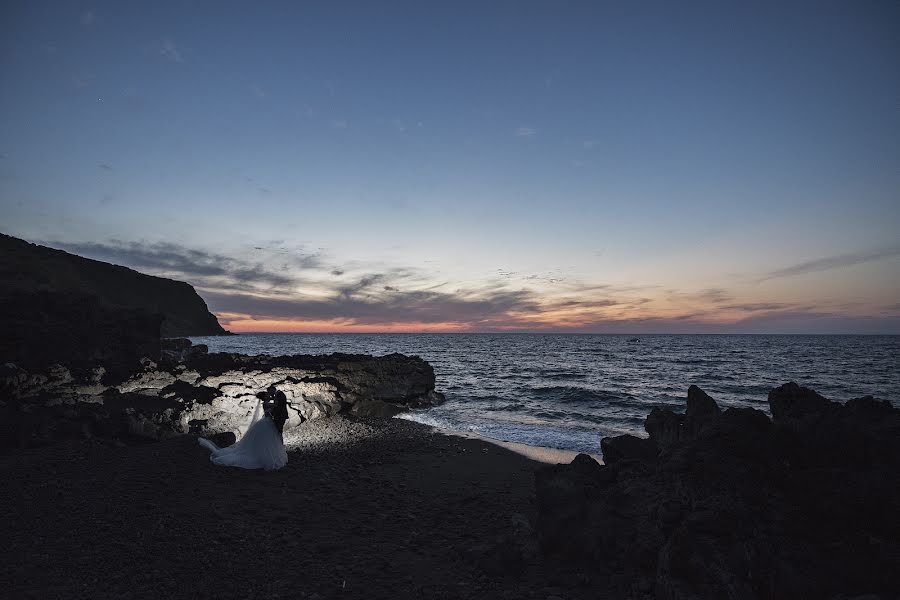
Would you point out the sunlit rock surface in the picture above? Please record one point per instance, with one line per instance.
(205, 394)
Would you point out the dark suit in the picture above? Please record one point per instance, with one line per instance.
(279, 411)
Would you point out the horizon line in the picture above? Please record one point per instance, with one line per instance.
(633, 334)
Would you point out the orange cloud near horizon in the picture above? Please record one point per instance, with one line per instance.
(702, 320)
(551, 321)
(247, 324)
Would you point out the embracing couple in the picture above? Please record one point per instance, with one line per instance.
(262, 445)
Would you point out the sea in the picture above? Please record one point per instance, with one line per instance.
(568, 391)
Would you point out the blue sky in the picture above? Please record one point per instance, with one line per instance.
(577, 166)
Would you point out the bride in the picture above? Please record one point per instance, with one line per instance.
(260, 448)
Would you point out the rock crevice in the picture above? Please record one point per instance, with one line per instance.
(206, 394)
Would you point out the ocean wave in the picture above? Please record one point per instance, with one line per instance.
(569, 391)
(569, 394)
(511, 407)
(564, 375)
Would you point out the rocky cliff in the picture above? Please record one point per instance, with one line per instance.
(64, 280)
(190, 391)
(732, 504)
(40, 328)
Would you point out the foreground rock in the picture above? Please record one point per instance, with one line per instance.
(206, 394)
(733, 504)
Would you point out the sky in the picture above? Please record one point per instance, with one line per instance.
(633, 167)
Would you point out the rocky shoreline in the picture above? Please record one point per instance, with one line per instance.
(714, 503)
(191, 391)
(735, 504)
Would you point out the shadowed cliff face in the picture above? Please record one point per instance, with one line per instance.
(27, 269)
(41, 328)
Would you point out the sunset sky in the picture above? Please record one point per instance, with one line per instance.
(452, 166)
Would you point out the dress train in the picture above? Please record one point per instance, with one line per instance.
(260, 447)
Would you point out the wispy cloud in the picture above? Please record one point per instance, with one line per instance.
(526, 132)
(271, 286)
(834, 262)
(169, 49)
(493, 309)
(551, 277)
(364, 283)
(258, 92)
(87, 18)
(713, 295)
(199, 267)
(82, 80)
(400, 298)
(277, 283)
(755, 307)
(339, 124)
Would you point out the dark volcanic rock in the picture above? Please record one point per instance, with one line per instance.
(178, 350)
(667, 428)
(700, 404)
(564, 495)
(41, 328)
(27, 269)
(794, 402)
(627, 447)
(664, 427)
(206, 394)
(737, 505)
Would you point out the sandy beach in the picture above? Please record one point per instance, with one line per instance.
(364, 509)
(541, 454)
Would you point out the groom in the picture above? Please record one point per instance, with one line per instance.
(279, 410)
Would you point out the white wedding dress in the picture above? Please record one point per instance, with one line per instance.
(259, 448)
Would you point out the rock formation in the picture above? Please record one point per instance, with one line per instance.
(733, 504)
(42, 328)
(60, 307)
(191, 391)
